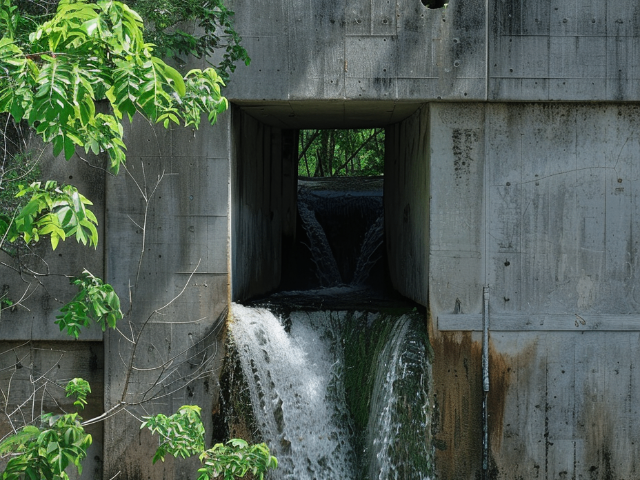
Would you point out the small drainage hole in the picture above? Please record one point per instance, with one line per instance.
(434, 3)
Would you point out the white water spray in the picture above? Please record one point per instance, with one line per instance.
(297, 397)
(297, 390)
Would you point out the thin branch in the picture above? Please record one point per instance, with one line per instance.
(135, 345)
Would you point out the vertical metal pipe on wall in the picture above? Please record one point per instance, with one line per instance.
(485, 383)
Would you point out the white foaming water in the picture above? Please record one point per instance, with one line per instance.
(399, 412)
(297, 397)
(367, 259)
(297, 390)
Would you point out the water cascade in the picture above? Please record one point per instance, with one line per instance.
(338, 392)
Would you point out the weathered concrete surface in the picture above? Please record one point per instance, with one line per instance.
(263, 202)
(539, 202)
(32, 378)
(167, 243)
(360, 49)
(406, 202)
(325, 63)
(573, 50)
(42, 287)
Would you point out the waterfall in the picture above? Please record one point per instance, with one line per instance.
(298, 399)
(321, 255)
(368, 251)
(342, 395)
(400, 408)
(337, 391)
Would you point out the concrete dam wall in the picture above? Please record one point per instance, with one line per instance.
(512, 153)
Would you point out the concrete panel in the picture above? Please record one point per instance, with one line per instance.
(337, 50)
(406, 205)
(578, 50)
(167, 238)
(316, 53)
(263, 204)
(32, 379)
(457, 200)
(567, 405)
(554, 227)
(38, 281)
(565, 224)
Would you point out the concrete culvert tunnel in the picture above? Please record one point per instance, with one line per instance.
(352, 343)
(265, 217)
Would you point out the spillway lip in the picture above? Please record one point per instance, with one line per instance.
(355, 185)
(339, 298)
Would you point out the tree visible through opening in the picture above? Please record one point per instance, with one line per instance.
(341, 153)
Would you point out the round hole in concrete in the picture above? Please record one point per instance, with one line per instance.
(434, 3)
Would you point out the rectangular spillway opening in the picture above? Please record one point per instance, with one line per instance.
(279, 160)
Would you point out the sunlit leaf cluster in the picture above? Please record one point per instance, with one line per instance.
(235, 459)
(58, 212)
(87, 53)
(182, 435)
(95, 302)
(80, 388)
(45, 452)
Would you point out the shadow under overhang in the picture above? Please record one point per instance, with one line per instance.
(305, 114)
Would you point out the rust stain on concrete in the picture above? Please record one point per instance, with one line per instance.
(457, 423)
(457, 377)
(500, 368)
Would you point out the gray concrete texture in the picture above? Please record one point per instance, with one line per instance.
(263, 203)
(167, 239)
(537, 201)
(374, 55)
(38, 279)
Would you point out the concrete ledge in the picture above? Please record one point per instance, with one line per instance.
(540, 322)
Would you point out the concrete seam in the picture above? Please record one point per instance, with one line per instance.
(486, 50)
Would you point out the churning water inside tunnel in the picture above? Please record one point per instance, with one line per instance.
(335, 365)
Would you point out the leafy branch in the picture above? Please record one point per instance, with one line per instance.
(46, 451)
(87, 53)
(59, 212)
(95, 301)
(182, 435)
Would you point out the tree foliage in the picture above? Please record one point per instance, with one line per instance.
(59, 212)
(182, 435)
(209, 23)
(96, 301)
(211, 18)
(46, 451)
(73, 74)
(90, 52)
(331, 153)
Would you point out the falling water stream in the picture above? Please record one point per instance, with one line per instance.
(341, 392)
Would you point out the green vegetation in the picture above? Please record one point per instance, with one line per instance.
(176, 28)
(58, 61)
(335, 153)
(46, 451)
(96, 301)
(182, 435)
(89, 53)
